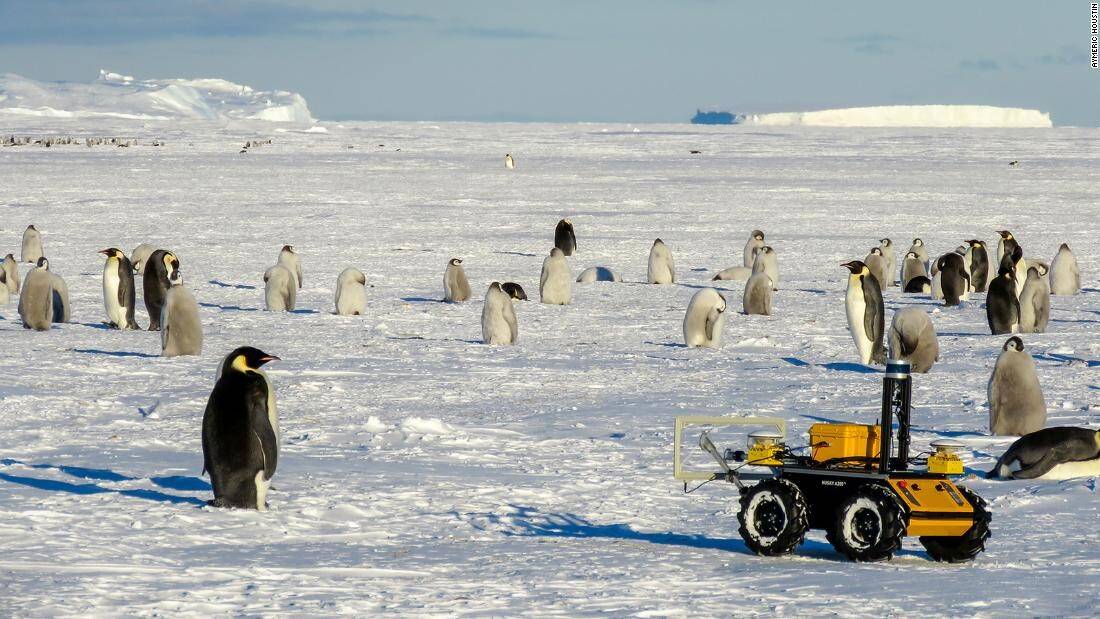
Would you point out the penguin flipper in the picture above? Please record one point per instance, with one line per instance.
(261, 425)
(873, 319)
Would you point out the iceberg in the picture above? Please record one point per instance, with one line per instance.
(121, 96)
(908, 116)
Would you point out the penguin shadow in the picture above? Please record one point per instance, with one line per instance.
(115, 353)
(816, 291)
(95, 325)
(515, 253)
(1066, 359)
(1083, 322)
(666, 344)
(229, 308)
(836, 366)
(303, 311)
(421, 300)
(170, 482)
(228, 285)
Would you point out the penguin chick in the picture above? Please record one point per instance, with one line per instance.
(705, 319)
(351, 292)
(279, 290)
(1065, 278)
(1016, 405)
(755, 242)
(757, 298)
(662, 269)
(36, 300)
(180, 328)
(913, 338)
(498, 317)
(555, 287)
(456, 288)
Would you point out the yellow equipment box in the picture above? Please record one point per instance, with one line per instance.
(937, 507)
(844, 440)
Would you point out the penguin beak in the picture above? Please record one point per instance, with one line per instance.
(105, 252)
(268, 358)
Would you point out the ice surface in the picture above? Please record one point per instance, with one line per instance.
(537, 480)
(121, 96)
(908, 116)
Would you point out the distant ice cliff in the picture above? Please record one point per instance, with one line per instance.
(908, 116)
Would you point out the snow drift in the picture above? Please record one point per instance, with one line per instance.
(908, 116)
(121, 96)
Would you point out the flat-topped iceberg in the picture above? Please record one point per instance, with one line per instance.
(908, 116)
(121, 96)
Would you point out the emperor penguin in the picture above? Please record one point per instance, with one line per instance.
(1019, 265)
(755, 242)
(1051, 453)
(954, 280)
(555, 283)
(662, 270)
(912, 267)
(498, 317)
(1016, 405)
(456, 288)
(140, 255)
(32, 245)
(1035, 302)
(564, 238)
(62, 310)
(866, 314)
(1005, 244)
(913, 338)
(280, 293)
(757, 298)
(735, 274)
(289, 259)
(180, 328)
(598, 274)
(979, 265)
(11, 272)
(155, 283)
(877, 264)
(240, 431)
(919, 284)
(767, 263)
(514, 290)
(509, 162)
(891, 261)
(1065, 278)
(351, 292)
(705, 319)
(921, 251)
(1002, 307)
(36, 300)
(118, 289)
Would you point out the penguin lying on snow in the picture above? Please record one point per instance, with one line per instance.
(240, 431)
(598, 274)
(1051, 453)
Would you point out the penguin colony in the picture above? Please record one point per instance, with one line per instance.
(240, 425)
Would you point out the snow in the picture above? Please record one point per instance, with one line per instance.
(121, 96)
(424, 473)
(908, 116)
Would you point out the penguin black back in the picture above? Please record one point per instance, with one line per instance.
(954, 281)
(1002, 308)
(239, 444)
(564, 237)
(514, 290)
(155, 283)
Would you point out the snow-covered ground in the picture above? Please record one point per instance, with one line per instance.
(942, 116)
(425, 473)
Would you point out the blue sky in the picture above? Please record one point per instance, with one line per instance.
(571, 60)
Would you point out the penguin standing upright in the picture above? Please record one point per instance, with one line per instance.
(979, 265)
(509, 162)
(767, 263)
(954, 280)
(662, 270)
(1065, 278)
(118, 289)
(876, 262)
(181, 329)
(11, 272)
(913, 338)
(555, 283)
(498, 317)
(62, 310)
(564, 238)
(240, 431)
(921, 251)
(866, 314)
(351, 292)
(36, 300)
(1035, 302)
(755, 242)
(891, 261)
(705, 319)
(280, 293)
(1019, 265)
(1005, 244)
(456, 288)
(1051, 453)
(140, 255)
(1002, 307)
(757, 298)
(912, 267)
(32, 245)
(290, 259)
(155, 283)
(1016, 405)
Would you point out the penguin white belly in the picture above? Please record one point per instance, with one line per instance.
(261, 491)
(115, 312)
(937, 286)
(1070, 470)
(857, 307)
(1021, 277)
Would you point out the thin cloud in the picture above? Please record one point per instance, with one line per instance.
(1065, 56)
(496, 33)
(981, 64)
(873, 43)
